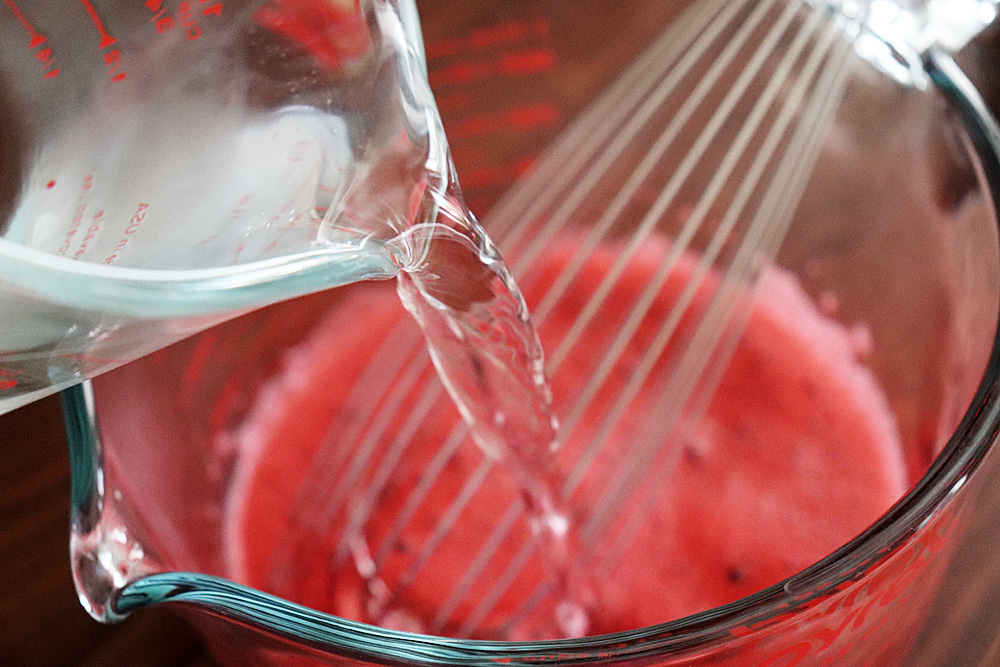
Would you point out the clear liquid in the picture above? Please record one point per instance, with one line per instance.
(487, 353)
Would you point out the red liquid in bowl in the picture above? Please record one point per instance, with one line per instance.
(796, 454)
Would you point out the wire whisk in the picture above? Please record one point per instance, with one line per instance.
(691, 163)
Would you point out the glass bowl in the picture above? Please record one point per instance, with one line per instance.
(917, 261)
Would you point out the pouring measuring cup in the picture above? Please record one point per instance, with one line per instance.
(165, 166)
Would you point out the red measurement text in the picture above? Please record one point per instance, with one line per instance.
(134, 223)
(186, 16)
(35, 41)
(95, 226)
(112, 57)
(78, 214)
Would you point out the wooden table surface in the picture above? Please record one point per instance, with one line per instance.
(42, 623)
(41, 620)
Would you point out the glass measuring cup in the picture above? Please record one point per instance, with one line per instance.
(863, 603)
(168, 165)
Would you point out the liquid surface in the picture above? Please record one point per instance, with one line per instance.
(385, 491)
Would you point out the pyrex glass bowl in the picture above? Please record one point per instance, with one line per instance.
(899, 221)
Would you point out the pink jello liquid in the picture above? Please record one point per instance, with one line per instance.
(358, 492)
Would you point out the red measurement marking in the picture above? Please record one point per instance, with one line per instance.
(49, 69)
(44, 56)
(7, 384)
(527, 62)
(134, 224)
(211, 10)
(50, 185)
(113, 61)
(187, 16)
(160, 22)
(519, 63)
(531, 117)
(106, 39)
(463, 73)
(37, 39)
(498, 35)
(519, 119)
(335, 34)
